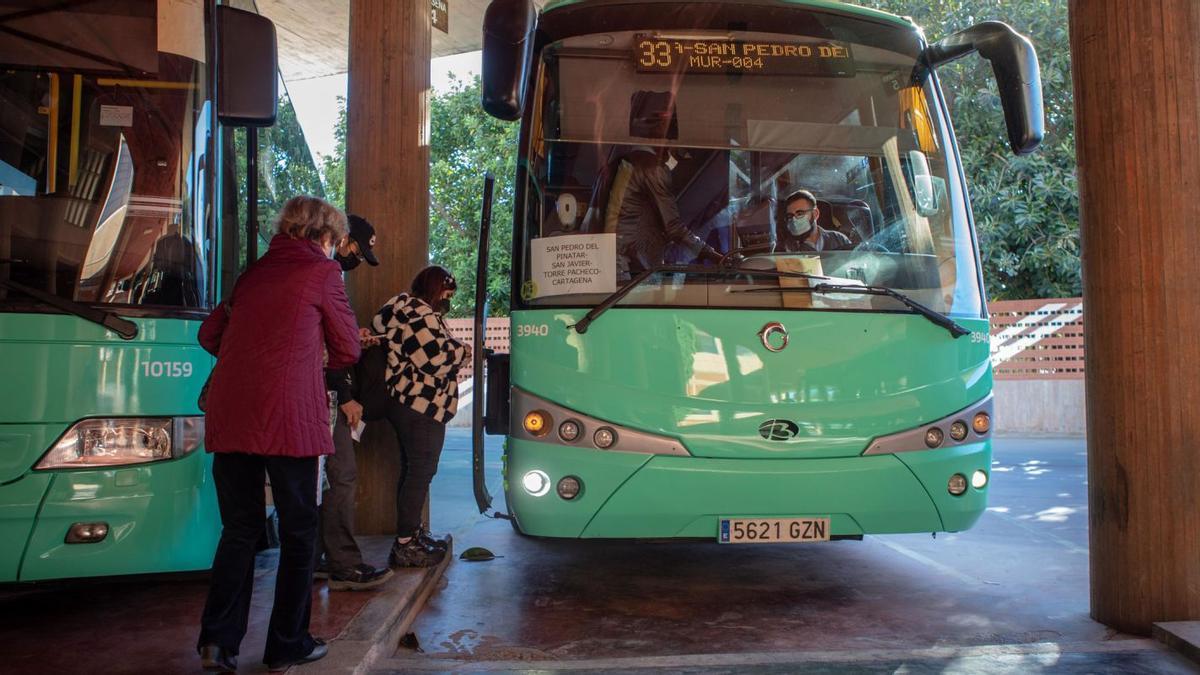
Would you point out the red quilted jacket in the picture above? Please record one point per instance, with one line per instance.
(267, 393)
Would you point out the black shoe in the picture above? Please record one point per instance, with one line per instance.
(414, 554)
(318, 652)
(430, 541)
(359, 578)
(322, 571)
(217, 660)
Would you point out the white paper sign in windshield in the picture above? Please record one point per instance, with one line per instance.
(573, 264)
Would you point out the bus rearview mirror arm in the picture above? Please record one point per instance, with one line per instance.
(1015, 65)
(508, 27)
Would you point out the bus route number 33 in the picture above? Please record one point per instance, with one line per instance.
(533, 330)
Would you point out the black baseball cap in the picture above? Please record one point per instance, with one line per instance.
(364, 235)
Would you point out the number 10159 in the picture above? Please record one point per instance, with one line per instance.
(167, 369)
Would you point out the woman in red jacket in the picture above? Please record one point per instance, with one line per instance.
(268, 413)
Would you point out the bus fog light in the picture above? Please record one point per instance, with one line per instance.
(979, 479)
(537, 423)
(604, 438)
(87, 533)
(568, 488)
(568, 431)
(982, 423)
(536, 482)
(957, 484)
(958, 430)
(934, 437)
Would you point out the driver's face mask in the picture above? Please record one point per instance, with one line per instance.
(800, 224)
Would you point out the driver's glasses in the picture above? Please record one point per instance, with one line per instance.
(799, 215)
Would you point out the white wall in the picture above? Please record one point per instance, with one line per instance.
(1040, 407)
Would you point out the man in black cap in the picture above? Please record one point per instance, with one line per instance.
(343, 564)
(356, 247)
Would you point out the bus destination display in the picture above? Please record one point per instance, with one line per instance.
(654, 54)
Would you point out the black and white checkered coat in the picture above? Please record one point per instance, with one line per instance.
(423, 357)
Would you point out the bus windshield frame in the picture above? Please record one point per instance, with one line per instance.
(734, 140)
(105, 156)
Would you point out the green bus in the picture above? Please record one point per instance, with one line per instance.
(744, 381)
(119, 229)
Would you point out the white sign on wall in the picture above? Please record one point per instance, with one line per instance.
(577, 263)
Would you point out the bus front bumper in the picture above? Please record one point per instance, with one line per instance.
(628, 495)
(161, 517)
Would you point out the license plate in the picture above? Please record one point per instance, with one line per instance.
(772, 530)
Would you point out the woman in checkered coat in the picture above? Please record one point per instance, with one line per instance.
(422, 379)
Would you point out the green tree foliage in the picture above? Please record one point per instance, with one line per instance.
(465, 144)
(333, 169)
(1026, 208)
(285, 164)
(285, 169)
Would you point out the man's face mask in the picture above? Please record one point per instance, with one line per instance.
(348, 262)
(443, 306)
(801, 223)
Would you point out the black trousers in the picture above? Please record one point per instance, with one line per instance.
(239, 480)
(421, 438)
(337, 503)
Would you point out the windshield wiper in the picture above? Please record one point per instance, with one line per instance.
(125, 328)
(723, 270)
(956, 329)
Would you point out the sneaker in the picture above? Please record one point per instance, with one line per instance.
(414, 554)
(430, 541)
(359, 578)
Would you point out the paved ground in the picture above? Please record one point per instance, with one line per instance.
(145, 625)
(1010, 595)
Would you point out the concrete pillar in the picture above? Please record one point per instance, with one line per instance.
(1136, 67)
(387, 182)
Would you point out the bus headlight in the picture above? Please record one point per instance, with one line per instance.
(957, 484)
(536, 482)
(604, 438)
(958, 430)
(568, 431)
(121, 441)
(568, 488)
(982, 423)
(934, 437)
(979, 479)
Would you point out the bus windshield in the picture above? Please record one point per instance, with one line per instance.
(817, 154)
(104, 127)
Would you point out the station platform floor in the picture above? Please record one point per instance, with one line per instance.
(150, 624)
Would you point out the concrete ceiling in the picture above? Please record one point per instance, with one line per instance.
(313, 34)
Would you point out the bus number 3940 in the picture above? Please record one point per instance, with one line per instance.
(530, 329)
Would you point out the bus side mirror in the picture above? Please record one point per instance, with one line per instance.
(1015, 64)
(924, 190)
(508, 27)
(248, 69)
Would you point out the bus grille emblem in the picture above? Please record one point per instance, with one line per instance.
(774, 336)
(778, 430)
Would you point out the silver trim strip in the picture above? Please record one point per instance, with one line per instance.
(913, 440)
(628, 440)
